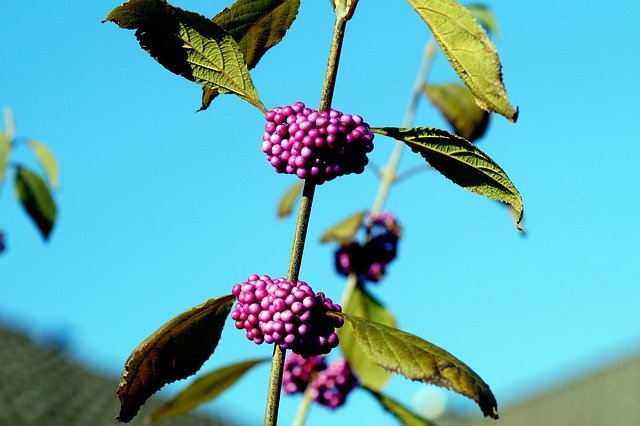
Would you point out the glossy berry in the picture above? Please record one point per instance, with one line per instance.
(316, 145)
(332, 385)
(298, 372)
(288, 314)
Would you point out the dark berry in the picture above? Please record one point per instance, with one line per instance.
(332, 385)
(298, 372)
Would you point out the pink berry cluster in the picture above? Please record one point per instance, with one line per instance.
(288, 314)
(299, 372)
(316, 145)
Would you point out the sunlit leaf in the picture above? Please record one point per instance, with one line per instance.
(402, 413)
(5, 147)
(470, 52)
(345, 231)
(485, 17)
(285, 206)
(189, 45)
(203, 389)
(461, 162)
(416, 359)
(48, 162)
(36, 199)
(364, 305)
(458, 106)
(175, 351)
(257, 26)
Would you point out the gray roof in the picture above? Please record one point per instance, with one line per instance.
(40, 385)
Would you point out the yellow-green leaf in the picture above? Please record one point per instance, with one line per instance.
(285, 206)
(189, 45)
(36, 199)
(5, 147)
(345, 231)
(48, 162)
(173, 352)
(203, 389)
(470, 52)
(461, 162)
(402, 413)
(416, 359)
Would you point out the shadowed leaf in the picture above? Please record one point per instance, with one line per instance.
(36, 199)
(189, 45)
(345, 231)
(416, 359)
(257, 26)
(458, 106)
(485, 17)
(175, 351)
(204, 389)
(48, 162)
(402, 413)
(285, 206)
(364, 305)
(5, 147)
(461, 162)
(469, 51)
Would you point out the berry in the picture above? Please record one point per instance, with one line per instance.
(383, 222)
(332, 385)
(288, 314)
(316, 145)
(298, 372)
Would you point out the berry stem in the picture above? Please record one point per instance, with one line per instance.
(300, 235)
(303, 408)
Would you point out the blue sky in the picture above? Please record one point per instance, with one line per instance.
(162, 208)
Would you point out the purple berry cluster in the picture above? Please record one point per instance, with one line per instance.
(316, 145)
(332, 385)
(288, 314)
(298, 372)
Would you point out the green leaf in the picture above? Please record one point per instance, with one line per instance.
(402, 413)
(417, 359)
(470, 52)
(36, 199)
(257, 26)
(461, 162)
(5, 147)
(204, 389)
(48, 162)
(345, 231)
(189, 45)
(285, 206)
(175, 351)
(364, 305)
(485, 17)
(458, 106)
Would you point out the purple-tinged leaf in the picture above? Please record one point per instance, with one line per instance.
(285, 206)
(345, 231)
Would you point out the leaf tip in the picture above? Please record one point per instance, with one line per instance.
(515, 115)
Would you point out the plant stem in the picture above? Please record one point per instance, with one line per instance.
(300, 235)
(303, 408)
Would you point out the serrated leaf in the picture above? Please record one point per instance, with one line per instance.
(459, 108)
(364, 305)
(36, 198)
(189, 45)
(485, 17)
(461, 162)
(257, 26)
(285, 206)
(48, 162)
(469, 51)
(204, 389)
(406, 416)
(416, 359)
(345, 231)
(5, 147)
(175, 351)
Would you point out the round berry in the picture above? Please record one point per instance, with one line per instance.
(332, 385)
(299, 371)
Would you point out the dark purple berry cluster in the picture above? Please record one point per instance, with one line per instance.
(332, 385)
(288, 314)
(298, 372)
(316, 145)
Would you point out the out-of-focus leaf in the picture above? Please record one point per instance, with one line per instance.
(364, 305)
(5, 147)
(345, 231)
(402, 413)
(461, 162)
(48, 162)
(203, 389)
(36, 199)
(469, 51)
(9, 123)
(485, 17)
(458, 106)
(175, 351)
(189, 45)
(257, 26)
(416, 359)
(285, 206)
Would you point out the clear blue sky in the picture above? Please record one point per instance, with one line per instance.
(162, 208)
